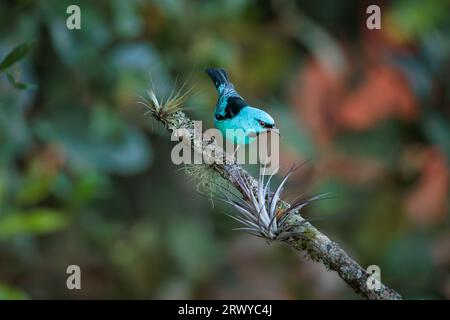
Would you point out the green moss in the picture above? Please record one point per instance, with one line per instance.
(310, 233)
(207, 181)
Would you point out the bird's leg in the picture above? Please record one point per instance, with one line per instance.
(235, 151)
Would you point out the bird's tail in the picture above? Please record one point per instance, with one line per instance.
(218, 76)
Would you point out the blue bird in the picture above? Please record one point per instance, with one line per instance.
(234, 118)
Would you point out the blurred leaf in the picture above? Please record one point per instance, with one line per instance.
(87, 186)
(418, 17)
(18, 85)
(17, 54)
(33, 222)
(34, 188)
(9, 293)
(39, 177)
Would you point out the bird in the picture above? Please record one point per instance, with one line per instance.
(234, 117)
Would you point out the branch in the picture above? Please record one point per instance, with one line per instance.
(304, 236)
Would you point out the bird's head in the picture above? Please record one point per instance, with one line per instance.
(260, 122)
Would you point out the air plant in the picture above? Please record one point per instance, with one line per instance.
(260, 210)
(162, 110)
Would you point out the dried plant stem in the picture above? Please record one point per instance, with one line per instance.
(305, 237)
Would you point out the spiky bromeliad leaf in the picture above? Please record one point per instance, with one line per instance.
(164, 108)
(260, 211)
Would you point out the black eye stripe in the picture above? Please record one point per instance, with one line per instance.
(265, 125)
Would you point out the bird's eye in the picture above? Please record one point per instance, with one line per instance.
(262, 123)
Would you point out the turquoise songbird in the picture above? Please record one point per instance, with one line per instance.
(234, 118)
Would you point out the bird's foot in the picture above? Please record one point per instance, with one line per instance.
(235, 151)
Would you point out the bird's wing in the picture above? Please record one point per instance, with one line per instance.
(230, 103)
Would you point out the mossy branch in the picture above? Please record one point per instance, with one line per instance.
(303, 236)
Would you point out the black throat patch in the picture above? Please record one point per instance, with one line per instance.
(233, 107)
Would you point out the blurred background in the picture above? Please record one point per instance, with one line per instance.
(86, 176)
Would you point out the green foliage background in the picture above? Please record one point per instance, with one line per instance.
(86, 178)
